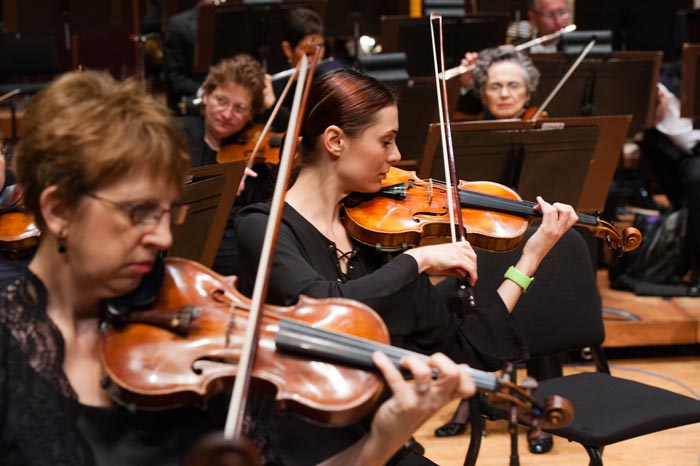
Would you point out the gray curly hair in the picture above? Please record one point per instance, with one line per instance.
(488, 57)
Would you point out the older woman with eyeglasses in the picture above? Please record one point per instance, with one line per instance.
(502, 83)
(235, 91)
(505, 80)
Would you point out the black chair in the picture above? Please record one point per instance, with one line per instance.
(561, 313)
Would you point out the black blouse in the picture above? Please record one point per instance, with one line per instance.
(41, 420)
(420, 317)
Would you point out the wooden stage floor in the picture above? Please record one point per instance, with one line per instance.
(663, 321)
(673, 447)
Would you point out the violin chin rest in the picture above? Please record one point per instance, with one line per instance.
(143, 295)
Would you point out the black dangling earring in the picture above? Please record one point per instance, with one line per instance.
(62, 243)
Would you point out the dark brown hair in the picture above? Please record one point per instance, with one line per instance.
(299, 23)
(345, 98)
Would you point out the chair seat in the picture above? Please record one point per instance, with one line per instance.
(621, 409)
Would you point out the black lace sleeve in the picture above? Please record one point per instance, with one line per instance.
(38, 407)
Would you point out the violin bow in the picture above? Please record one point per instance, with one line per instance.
(291, 71)
(448, 156)
(563, 80)
(280, 100)
(268, 123)
(234, 421)
(461, 69)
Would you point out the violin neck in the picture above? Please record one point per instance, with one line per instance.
(526, 209)
(299, 338)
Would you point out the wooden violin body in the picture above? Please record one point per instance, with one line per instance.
(531, 112)
(422, 216)
(408, 212)
(243, 146)
(314, 356)
(187, 349)
(17, 229)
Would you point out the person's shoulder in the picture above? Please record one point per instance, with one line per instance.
(192, 124)
(252, 215)
(259, 212)
(183, 18)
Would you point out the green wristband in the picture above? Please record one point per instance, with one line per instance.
(519, 278)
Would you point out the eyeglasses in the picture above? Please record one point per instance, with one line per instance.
(511, 87)
(560, 12)
(146, 214)
(221, 104)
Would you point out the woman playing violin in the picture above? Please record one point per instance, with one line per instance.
(500, 86)
(348, 145)
(102, 166)
(235, 91)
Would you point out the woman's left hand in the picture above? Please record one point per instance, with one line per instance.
(413, 402)
(557, 218)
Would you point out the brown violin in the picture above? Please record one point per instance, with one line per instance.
(531, 112)
(409, 211)
(17, 229)
(244, 144)
(315, 356)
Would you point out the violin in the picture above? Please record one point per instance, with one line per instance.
(244, 144)
(530, 112)
(408, 212)
(18, 232)
(315, 356)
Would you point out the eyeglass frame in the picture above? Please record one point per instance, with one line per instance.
(511, 87)
(222, 103)
(150, 219)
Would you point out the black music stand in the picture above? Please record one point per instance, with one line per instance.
(573, 43)
(570, 160)
(690, 88)
(623, 84)
(209, 195)
(418, 108)
(253, 27)
(346, 17)
(636, 25)
(461, 34)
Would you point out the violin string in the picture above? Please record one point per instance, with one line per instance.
(296, 336)
(491, 201)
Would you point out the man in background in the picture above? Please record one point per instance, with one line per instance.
(546, 17)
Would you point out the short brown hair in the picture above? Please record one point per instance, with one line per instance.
(85, 130)
(243, 70)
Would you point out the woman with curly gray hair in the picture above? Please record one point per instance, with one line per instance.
(503, 81)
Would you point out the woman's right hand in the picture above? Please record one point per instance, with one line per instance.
(469, 59)
(453, 259)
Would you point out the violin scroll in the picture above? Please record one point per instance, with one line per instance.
(628, 241)
(555, 412)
